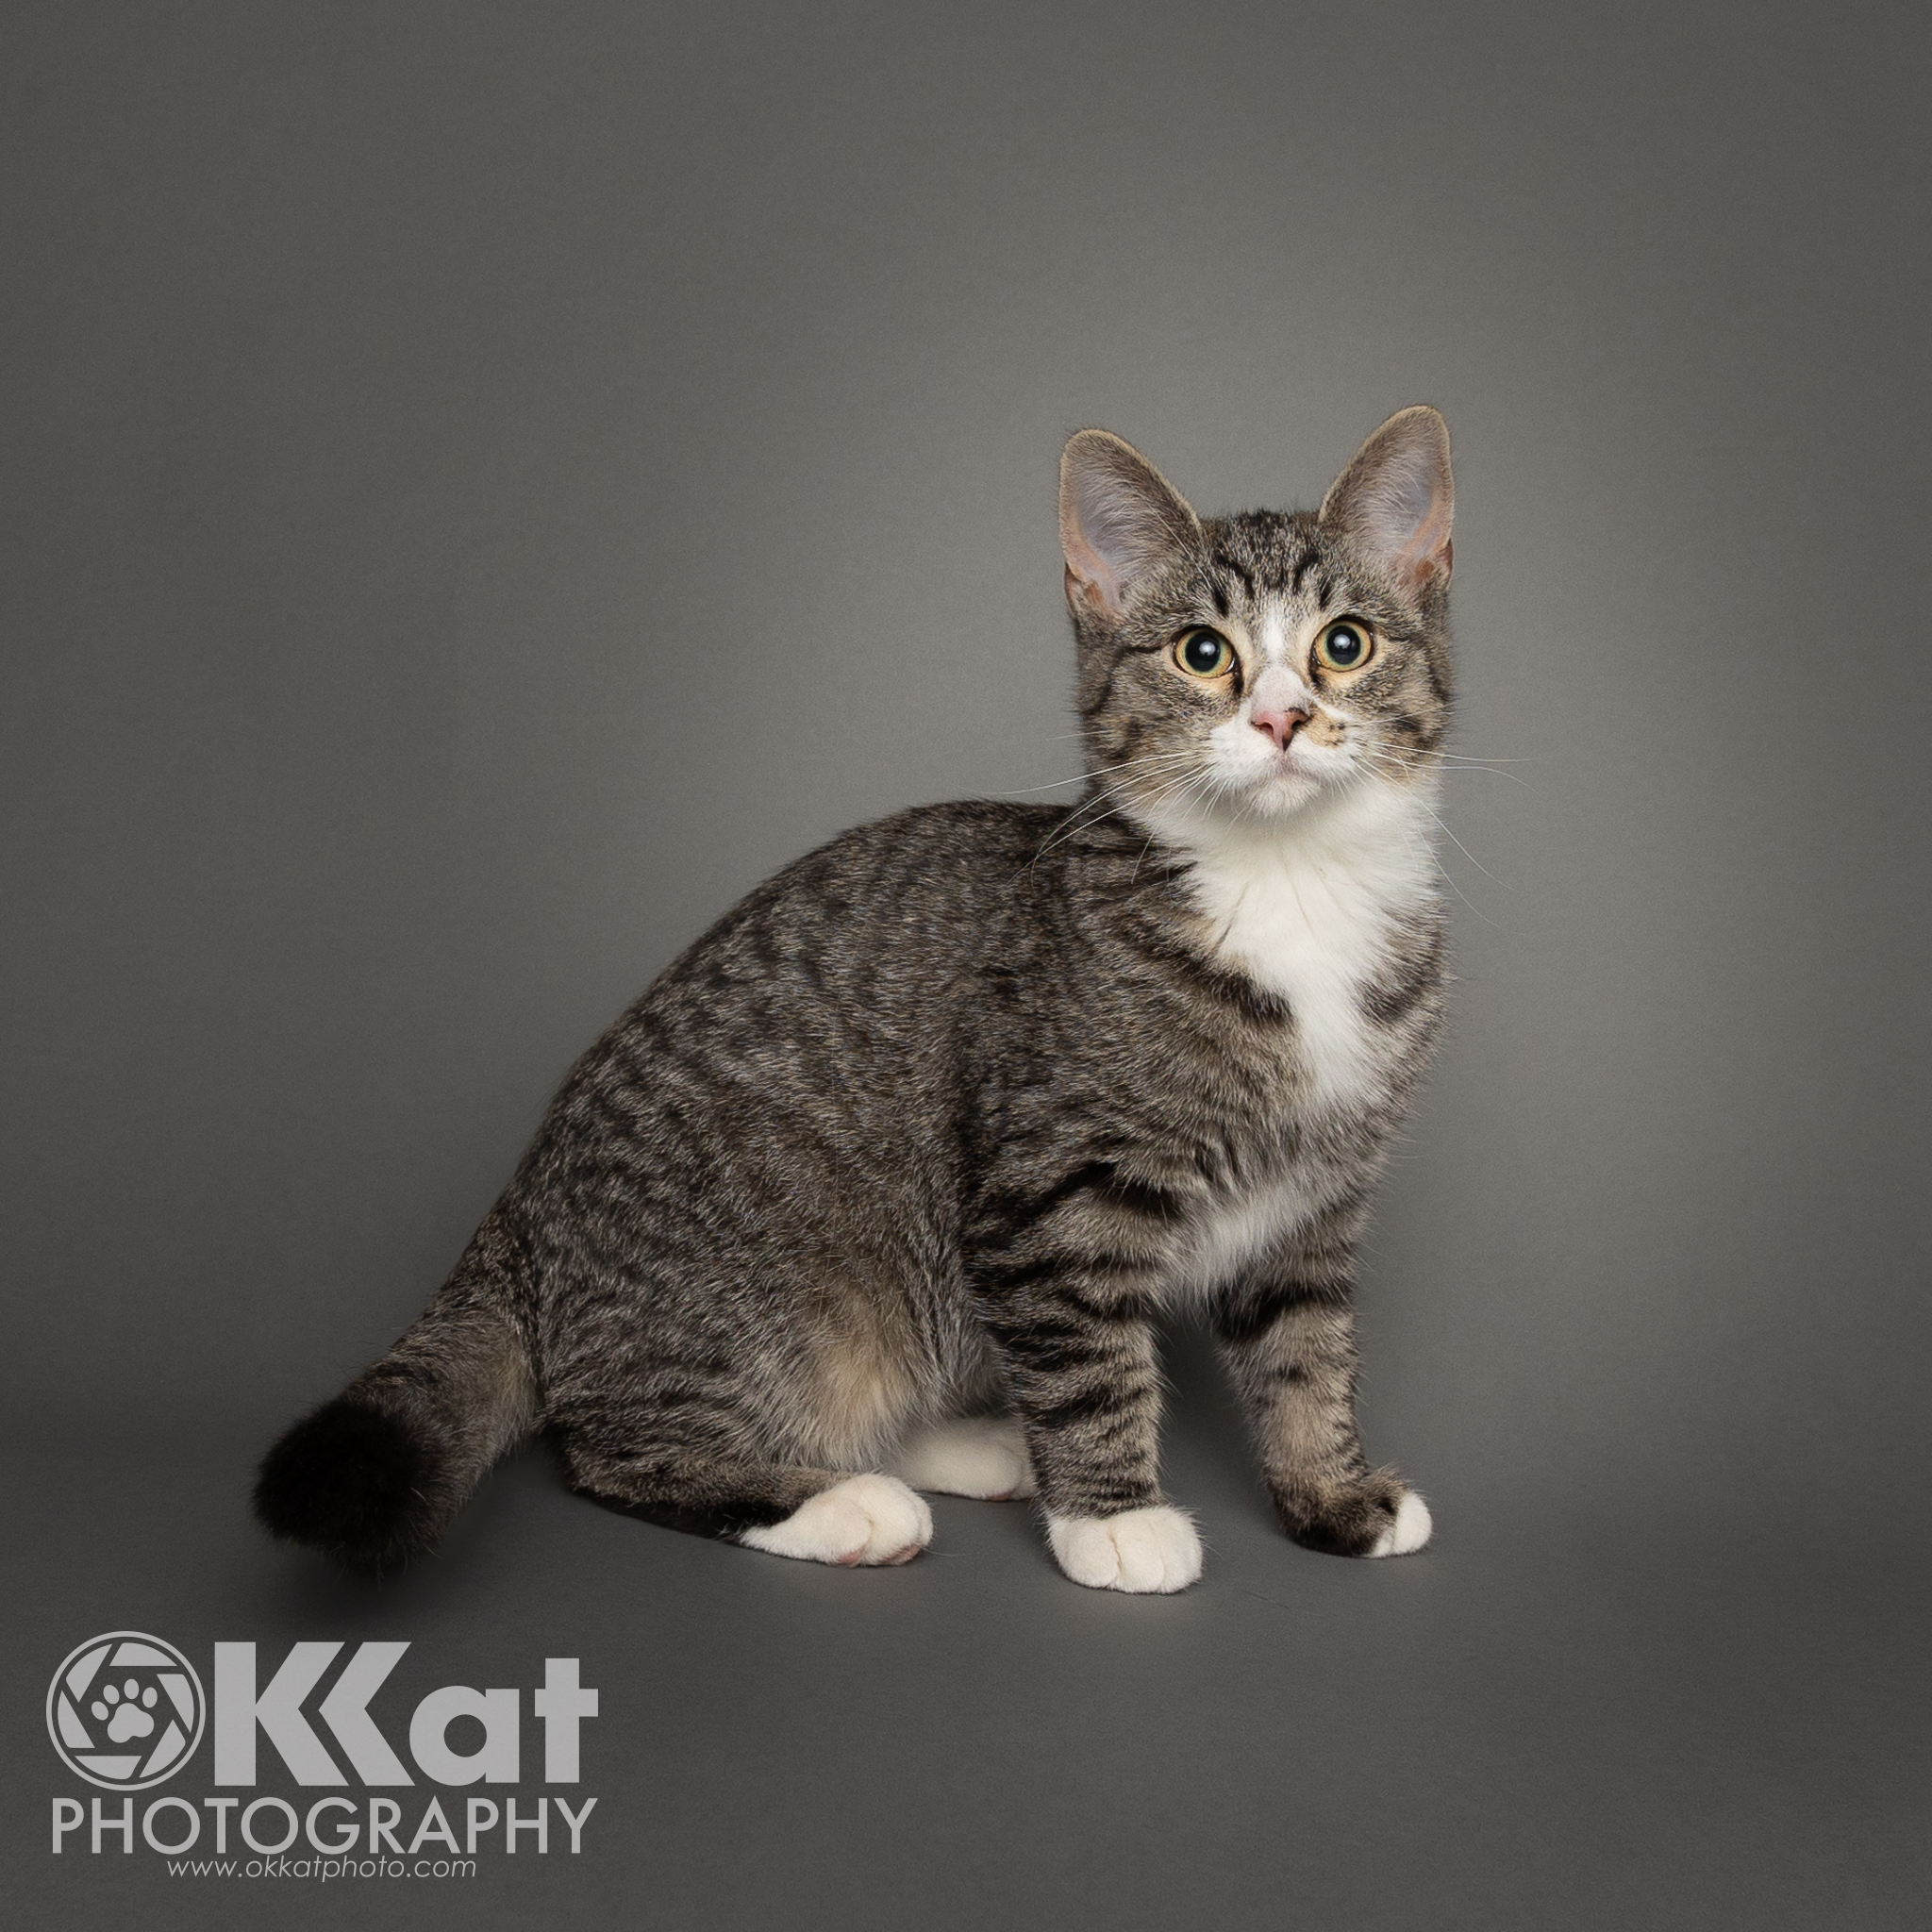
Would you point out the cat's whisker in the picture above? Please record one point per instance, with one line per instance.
(1164, 757)
(1198, 782)
(1197, 790)
(1425, 848)
(1467, 853)
(1457, 888)
(1190, 787)
(1477, 765)
(1413, 763)
(1203, 777)
(1075, 821)
(1383, 755)
(1107, 800)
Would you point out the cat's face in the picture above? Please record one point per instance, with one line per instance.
(1242, 668)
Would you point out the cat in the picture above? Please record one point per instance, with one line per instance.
(881, 1186)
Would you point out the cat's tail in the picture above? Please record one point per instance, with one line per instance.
(374, 1476)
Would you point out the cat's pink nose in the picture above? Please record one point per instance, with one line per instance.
(1278, 726)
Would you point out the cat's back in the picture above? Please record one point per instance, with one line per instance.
(848, 966)
(918, 894)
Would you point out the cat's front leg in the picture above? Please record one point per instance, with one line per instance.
(1286, 1332)
(1078, 1345)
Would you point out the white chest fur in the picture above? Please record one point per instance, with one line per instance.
(1310, 909)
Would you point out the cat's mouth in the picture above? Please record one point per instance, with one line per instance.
(1243, 777)
(1284, 779)
(1279, 782)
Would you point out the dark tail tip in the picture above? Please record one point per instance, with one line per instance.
(363, 1484)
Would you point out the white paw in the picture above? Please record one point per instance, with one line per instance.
(866, 1519)
(1409, 1531)
(1146, 1551)
(983, 1457)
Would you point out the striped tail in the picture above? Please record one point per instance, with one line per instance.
(376, 1476)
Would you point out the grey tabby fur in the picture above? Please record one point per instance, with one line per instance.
(937, 1120)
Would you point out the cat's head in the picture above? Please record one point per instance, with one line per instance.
(1246, 667)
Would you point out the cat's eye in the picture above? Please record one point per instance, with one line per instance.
(1345, 645)
(1204, 653)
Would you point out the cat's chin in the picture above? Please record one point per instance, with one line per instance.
(1283, 795)
(1275, 796)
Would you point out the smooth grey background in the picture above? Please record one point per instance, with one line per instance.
(486, 484)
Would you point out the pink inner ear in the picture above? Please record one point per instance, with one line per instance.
(1085, 588)
(1395, 499)
(1429, 550)
(1097, 583)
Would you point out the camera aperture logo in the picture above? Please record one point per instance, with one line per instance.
(125, 1710)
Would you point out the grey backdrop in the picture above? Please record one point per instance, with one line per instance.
(486, 484)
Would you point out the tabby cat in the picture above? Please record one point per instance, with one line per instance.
(882, 1186)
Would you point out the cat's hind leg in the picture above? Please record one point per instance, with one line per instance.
(982, 1456)
(861, 1518)
(819, 1515)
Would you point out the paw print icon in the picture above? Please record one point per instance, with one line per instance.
(125, 1710)
(126, 1719)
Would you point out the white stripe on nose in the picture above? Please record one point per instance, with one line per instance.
(1279, 704)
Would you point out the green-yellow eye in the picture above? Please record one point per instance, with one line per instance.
(1345, 645)
(1204, 653)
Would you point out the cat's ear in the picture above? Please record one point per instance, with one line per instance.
(1120, 520)
(1395, 501)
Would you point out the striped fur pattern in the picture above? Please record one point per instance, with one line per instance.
(896, 1166)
